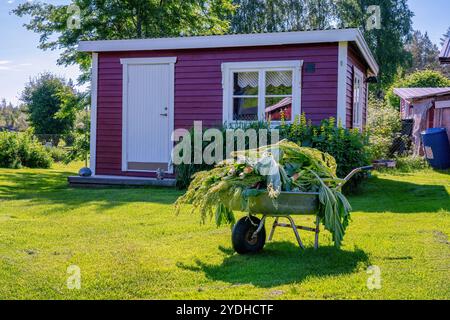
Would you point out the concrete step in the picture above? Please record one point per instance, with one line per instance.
(119, 180)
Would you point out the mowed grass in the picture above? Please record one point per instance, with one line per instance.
(128, 244)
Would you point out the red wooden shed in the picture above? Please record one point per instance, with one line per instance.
(143, 89)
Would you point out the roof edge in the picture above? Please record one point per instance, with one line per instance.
(235, 40)
(421, 93)
(445, 52)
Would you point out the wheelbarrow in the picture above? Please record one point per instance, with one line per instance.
(249, 233)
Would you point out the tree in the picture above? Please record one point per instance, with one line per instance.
(445, 36)
(387, 43)
(120, 19)
(11, 117)
(419, 79)
(425, 54)
(281, 15)
(44, 98)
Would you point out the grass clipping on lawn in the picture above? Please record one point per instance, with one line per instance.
(284, 166)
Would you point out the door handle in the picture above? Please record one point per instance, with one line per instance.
(163, 114)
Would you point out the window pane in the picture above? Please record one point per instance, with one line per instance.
(278, 82)
(245, 83)
(245, 109)
(276, 108)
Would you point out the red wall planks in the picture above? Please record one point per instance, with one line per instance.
(198, 89)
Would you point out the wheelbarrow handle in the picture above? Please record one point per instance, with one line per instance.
(357, 170)
(352, 173)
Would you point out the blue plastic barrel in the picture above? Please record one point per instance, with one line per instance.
(437, 147)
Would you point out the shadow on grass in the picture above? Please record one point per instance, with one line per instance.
(51, 187)
(281, 263)
(386, 195)
(41, 186)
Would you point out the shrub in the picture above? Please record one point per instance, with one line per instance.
(22, 149)
(58, 154)
(411, 163)
(348, 146)
(419, 79)
(9, 150)
(383, 122)
(184, 172)
(80, 143)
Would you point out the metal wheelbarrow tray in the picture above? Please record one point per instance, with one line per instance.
(249, 234)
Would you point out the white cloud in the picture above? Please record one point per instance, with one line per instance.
(8, 65)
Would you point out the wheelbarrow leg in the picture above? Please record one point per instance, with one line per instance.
(294, 227)
(316, 237)
(260, 227)
(275, 224)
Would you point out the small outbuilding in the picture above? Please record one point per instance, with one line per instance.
(444, 56)
(428, 107)
(143, 89)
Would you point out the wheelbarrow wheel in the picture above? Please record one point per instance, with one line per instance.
(242, 236)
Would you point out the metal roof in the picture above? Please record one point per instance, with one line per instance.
(444, 56)
(420, 93)
(236, 40)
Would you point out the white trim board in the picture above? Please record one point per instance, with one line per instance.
(162, 60)
(236, 40)
(171, 114)
(93, 137)
(442, 104)
(341, 112)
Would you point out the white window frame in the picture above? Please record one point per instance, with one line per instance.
(228, 68)
(357, 106)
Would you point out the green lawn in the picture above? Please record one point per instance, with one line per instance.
(129, 245)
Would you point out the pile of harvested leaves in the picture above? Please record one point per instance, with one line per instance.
(275, 168)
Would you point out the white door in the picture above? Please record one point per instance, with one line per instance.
(147, 116)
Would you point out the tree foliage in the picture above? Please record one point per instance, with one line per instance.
(126, 19)
(44, 98)
(445, 36)
(282, 15)
(121, 19)
(81, 144)
(386, 43)
(419, 79)
(11, 117)
(383, 122)
(425, 54)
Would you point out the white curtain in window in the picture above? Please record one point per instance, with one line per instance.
(274, 78)
(248, 79)
(279, 78)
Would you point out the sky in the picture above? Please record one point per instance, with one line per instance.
(20, 59)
